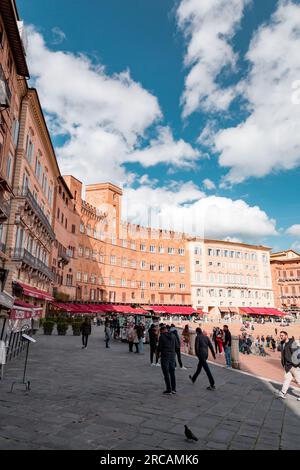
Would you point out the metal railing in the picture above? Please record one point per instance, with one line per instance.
(25, 192)
(21, 254)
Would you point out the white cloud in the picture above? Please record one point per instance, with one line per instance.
(58, 35)
(164, 149)
(209, 184)
(103, 118)
(209, 26)
(294, 230)
(268, 140)
(296, 247)
(184, 208)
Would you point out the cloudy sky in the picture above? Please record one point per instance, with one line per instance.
(192, 106)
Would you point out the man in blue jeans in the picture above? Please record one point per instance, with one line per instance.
(227, 345)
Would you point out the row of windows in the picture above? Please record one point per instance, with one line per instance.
(290, 290)
(41, 175)
(226, 265)
(233, 293)
(235, 254)
(84, 277)
(291, 274)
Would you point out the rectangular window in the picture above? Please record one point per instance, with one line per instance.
(171, 251)
(152, 249)
(73, 229)
(143, 247)
(78, 276)
(85, 277)
(161, 250)
(112, 260)
(9, 168)
(181, 251)
(182, 269)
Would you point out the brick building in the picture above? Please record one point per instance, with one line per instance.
(285, 267)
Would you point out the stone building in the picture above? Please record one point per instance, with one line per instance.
(285, 267)
(226, 276)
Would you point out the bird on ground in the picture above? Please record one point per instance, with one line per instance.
(189, 435)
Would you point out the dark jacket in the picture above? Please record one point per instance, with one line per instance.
(86, 328)
(202, 343)
(166, 343)
(227, 338)
(177, 339)
(287, 350)
(153, 339)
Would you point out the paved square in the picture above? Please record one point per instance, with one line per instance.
(102, 398)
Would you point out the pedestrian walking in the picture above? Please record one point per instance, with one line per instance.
(107, 332)
(177, 349)
(166, 350)
(202, 343)
(136, 339)
(130, 336)
(186, 338)
(86, 330)
(153, 341)
(227, 345)
(290, 361)
(140, 331)
(220, 340)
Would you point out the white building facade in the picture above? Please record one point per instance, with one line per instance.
(226, 276)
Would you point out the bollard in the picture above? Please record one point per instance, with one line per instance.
(235, 361)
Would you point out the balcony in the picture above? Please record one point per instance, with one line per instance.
(25, 192)
(20, 254)
(62, 254)
(4, 208)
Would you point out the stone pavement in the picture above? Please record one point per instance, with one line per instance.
(112, 399)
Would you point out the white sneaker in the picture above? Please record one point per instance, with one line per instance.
(298, 399)
(152, 364)
(183, 368)
(158, 365)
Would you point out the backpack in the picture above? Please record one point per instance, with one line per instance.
(295, 349)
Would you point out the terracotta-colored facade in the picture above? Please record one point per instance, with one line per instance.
(285, 268)
(118, 262)
(13, 70)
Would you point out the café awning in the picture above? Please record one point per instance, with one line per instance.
(30, 291)
(271, 312)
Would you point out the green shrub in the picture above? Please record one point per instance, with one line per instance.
(62, 327)
(76, 328)
(48, 327)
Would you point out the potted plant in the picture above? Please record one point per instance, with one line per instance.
(62, 328)
(48, 327)
(76, 328)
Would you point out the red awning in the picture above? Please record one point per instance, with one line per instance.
(271, 312)
(21, 310)
(101, 308)
(30, 291)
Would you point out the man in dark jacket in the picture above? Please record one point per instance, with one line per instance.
(178, 351)
(85, 331)
(290, 360)
(202, 343)
(227, 345)
(153, 341)
(166, 350)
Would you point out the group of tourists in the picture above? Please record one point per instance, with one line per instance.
(166, 344)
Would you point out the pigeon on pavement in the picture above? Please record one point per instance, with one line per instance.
(189, 435)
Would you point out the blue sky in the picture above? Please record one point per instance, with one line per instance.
(150, 39)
